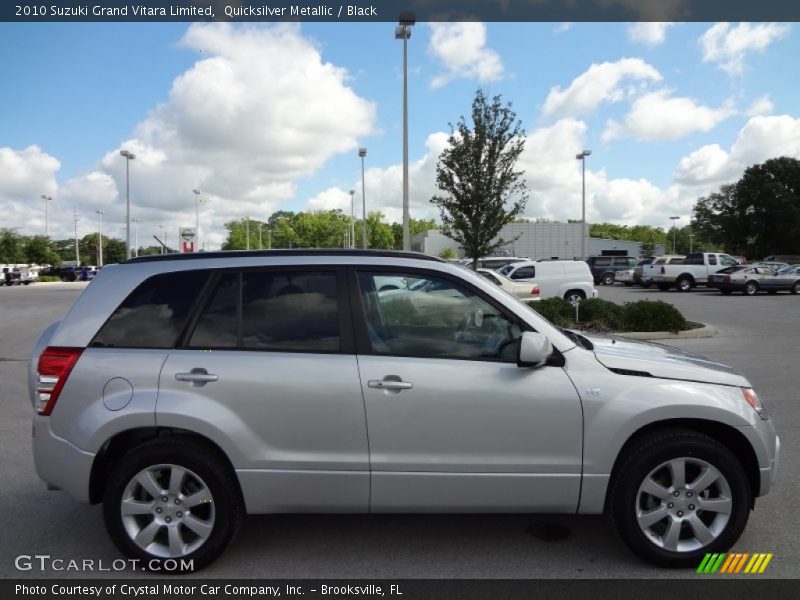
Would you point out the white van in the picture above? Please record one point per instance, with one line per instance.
(568, 279)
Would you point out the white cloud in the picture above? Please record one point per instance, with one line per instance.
(604, 82)
(728, 46)
(657, 116)
(648, 33)
(25, 175)
(332, 199)
(258, 111)
(762, 105)
(461, 48)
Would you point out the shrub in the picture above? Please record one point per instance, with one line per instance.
(556, 310)
(601, 315)
(646, 315)
(48, 278)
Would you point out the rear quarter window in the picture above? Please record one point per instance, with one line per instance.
(154, 314)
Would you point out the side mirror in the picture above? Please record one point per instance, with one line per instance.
(534, 349)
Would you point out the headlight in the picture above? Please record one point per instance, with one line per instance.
(751, 398)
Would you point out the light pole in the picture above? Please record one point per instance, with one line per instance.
(100, 239)
(582, 157)
(362, 152)
(136, 235)
(47, 200)
(674, 232)
(403, 32)
(247, 226)
(260, 245)
(76, 218)
(352, 219)
(196, 193)
(129, 156)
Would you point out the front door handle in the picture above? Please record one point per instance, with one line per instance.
(198, 377)
(389, 384)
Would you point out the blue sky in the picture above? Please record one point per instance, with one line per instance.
(79, 92)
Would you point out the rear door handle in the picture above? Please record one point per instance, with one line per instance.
(198, 377)
(389, 384)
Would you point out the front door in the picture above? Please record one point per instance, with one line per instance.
(454, 424)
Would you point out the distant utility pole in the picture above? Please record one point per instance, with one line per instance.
(47, 200)
(76, 219)
(352, 220)
(674, 233)
(362, 152)
(136, 236)
(100, 239)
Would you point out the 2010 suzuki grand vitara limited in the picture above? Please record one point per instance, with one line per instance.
(184, 391)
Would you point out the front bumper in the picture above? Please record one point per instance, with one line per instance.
(59, 463)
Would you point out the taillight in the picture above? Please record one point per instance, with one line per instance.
(55, 365)
(535, 291)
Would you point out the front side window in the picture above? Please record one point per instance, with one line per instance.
(712, 259)
(295, 311)
(726, 260)
(524, 273)
(438, 318)
(154, 314)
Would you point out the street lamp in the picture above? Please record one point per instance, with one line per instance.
(129, 156)
(100, 239)
(674, 231)
(403, 32)
(47, 199)
(136, 236)
(196, 193)
(362, 152)
(352, 220)
(582, 157)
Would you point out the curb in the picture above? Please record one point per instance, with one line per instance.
(705, 331)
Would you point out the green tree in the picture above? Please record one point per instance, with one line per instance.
(756, 216)
(477, 172)
(379, 234)
(11, 249)
(448, 254)
(415, 226)
(39, 251)
(647, 249)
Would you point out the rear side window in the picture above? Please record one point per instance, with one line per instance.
(694, 259)
(271, 310)
(154, 314)
(602, 262)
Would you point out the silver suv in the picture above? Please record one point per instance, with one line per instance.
(184, 391)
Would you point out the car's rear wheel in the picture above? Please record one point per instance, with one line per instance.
(750, 288)
(172, 499)
(796, 288)
(684, 284)
(574, 297)
(608, 279)
(677, 495)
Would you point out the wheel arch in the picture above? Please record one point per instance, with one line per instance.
(725, 434)
(116, 447)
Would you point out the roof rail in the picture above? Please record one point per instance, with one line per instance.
(340, 252)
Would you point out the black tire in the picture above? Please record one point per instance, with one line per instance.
(796, 288)
(607, 279)
(684, 284)
(664, 286)
(218, 476)
(574, 296)
(638, 462)
(750, 288)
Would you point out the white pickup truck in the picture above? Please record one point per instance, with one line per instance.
(694, 271)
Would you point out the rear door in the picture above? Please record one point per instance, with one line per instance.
(454, 424)
(267, 370)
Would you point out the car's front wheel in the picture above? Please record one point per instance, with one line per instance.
(608, 279)
(172, 499)
(677, 495)
(750, 288)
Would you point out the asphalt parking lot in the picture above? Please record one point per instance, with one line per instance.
(758, 335)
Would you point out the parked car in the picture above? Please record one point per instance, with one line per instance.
(28, 274)
(183, 391)
(694, 271)
(12, 275)
(625, 276)
(568, 279)
(493, 262)
(751, 279)
(604, 268)
(786, 258)
(649, 271)
(522, 290)
(639, 269)
(788, 269)
(771, 264)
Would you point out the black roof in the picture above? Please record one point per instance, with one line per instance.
(281, 252)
